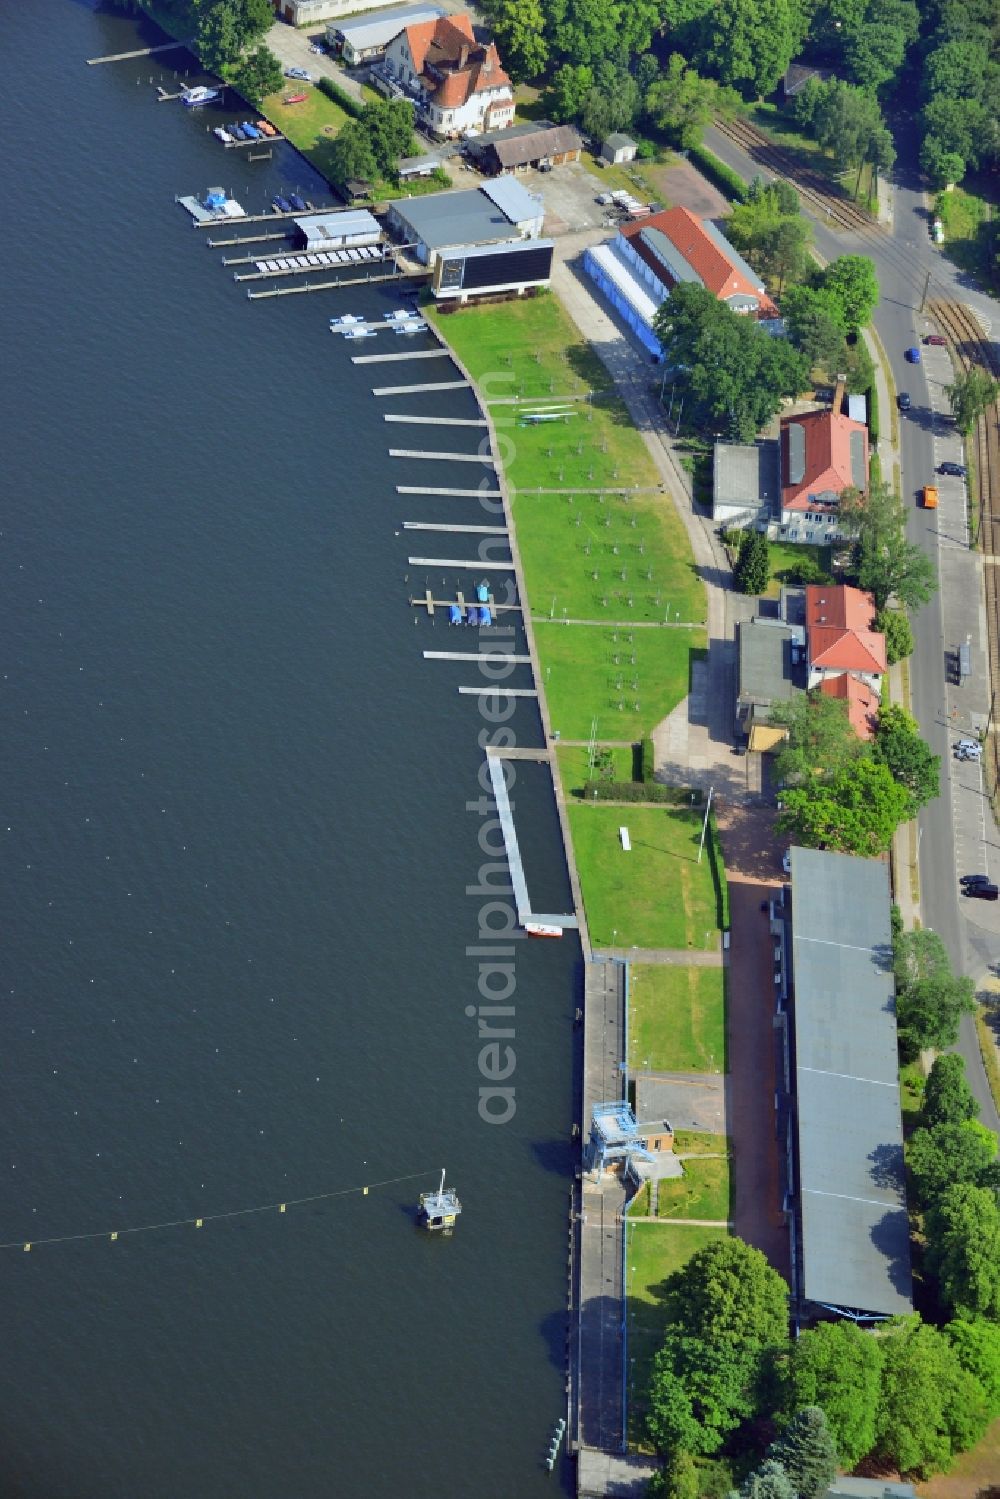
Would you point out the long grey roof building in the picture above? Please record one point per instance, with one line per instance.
(853, 1246)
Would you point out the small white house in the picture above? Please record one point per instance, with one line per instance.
(618, 148)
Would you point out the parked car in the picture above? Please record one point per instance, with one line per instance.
(975, 879)
(786, 861)
(913, 355)
(935, 339)
(958, 469)
(299, 73)
(982, 892)
(969, 749)
(903, 400)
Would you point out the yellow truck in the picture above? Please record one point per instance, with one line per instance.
(929, 497)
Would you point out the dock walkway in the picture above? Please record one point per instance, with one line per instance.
(486, 458)
(426, 525)
(436, 421)
(476, 565)
(139, 52)
(456, 494)
(412, 390)
(519, 885)
(403, 354)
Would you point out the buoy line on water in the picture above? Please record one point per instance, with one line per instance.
(113, 1234)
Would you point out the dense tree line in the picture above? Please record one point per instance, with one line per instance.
(223, 32)
(960, 81)
(368, 148)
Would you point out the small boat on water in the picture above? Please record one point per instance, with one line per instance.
(237, 132)
(439, 1210)
(454, 614)
(299, 204)
(200, 95)
(407, 327)
(345, 321)
(281, 204)
(399, 316)
(250, 131)
(485, 616)
(542, 929)
(483, 592)
(359, 332)
(222, 135)
(266, 128)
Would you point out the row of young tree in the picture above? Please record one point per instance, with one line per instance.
(223, 33)
(909, 1394)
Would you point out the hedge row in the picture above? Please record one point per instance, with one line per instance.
(646, 761)
(725, 179)
(347, 102)
(639, 791)
(873, 427)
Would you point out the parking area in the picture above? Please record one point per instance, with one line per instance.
(570, 196)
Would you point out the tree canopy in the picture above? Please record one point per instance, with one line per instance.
(806, 1451)
(948, 1155)
(930, 1408)
(884, 562)
(820, 739)
(749, 43)
(895, 626)
(680, 103)
(753, 565)
(257, 75)
(976, 1341)
(930, 999)
(769, 1481)
(963, 1246)
(846, 121)
(227, 28)
(947, 1097)
(971, 395)
(855, 811)
(906, 755)
(838, 1367)
(519, 31)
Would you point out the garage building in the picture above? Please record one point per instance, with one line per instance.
(493, 214)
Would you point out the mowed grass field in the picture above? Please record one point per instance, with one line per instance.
(657, 895)
(523, 348)
(583, 682)
(652, 1253)
(311, 126)
(677, 1018)
(574, 764)
(702, 1192)
(589, 445)
(607, 556)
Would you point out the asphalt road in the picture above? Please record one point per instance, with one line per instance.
(903, 257)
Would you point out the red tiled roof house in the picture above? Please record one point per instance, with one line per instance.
(677, 246)
(822, 454)
(841, 641)
(862, 701)
(457, 82)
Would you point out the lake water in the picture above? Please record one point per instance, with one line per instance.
(236, 849)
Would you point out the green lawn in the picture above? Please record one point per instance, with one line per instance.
(657, 895)
(964, 216)
(592, 446)
(574, 762)
(785, 556)
(566, 540)
(581, 678)
(652, 1253)
(700, 1142)
(677, 1018)
(310, 126)
(527, 347)
(911, 1093)
(702, 1192)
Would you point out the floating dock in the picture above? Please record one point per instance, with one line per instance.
(456, 494)
(300, 264)
(499, 567)
(412, 390)
(511, 692)
(525, 915)
(430, 603)
(307, 286)
(140, 52)
(438, 421)
(490, 655)
(262, 140)
(403, 354)
(486, 458)
(427, 525)
(203, 215)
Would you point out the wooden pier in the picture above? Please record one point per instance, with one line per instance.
(427, 525)
(518, 883)
(489, 655)
(510, 692)
(436, 421)
(140, 52)
(476, 565)
(262, 140)
(412, 390)
(455, 494)
(276, 215)
(291, 291)
(486, 458)
(403, 354)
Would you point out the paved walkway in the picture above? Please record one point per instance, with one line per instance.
(682, 957)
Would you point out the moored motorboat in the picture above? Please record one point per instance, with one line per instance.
(222, 134)
(542, 929)
(345, 321)
(200, 95)
(281, 204)
(266, 128)
(359, 333)
(299, 204)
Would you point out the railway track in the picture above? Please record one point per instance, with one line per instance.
(812, 184)
(970, 348)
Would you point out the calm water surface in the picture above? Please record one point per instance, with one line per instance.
(235, 852)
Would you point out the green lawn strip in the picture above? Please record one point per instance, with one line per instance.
(677, 1017)
(785, 555)
(581, 678)
(963, 213)
(527, 347)
(574, 762)
(565, 539)
(593, 446)
(652, 1253)
(987, 1027)
(310, 126)
(700, 1142)
(656, 895)
(911, 1093)
(702, 1192)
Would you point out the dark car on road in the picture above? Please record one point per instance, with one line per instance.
(903, 400)
(957, 469)
(975, 879)
(936, 339)
(982, 892)
(913, 355)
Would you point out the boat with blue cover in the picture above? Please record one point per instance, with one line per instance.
(299, 204)
(251, 131)
(454, 614)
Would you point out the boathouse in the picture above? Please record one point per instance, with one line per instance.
(489, 215)
(342, 230)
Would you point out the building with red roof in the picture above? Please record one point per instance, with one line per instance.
(840, 638)
(457, 83)
(677, 246)
(862, 701)
(822, 454)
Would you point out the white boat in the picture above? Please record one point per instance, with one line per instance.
(399, 316)
(542, 929)
(359, 332)
(200, 95)
(223, 135)
(408, 327)
(345, 321)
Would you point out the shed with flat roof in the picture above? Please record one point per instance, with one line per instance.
(338, 230)
(746, 483)
(466, 217)
(852, 1238)
(360, 39)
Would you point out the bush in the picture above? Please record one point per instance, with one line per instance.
(895, 626)
(639, 791)
(724, 178)
(753, 566)
(873, 424)
(347, 102)
(646, 765)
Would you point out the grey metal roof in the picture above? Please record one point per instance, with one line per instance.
(765, 647)
(796, 434)
(531, 145)
(616, 140)
(859, 477)
(379, 30)
(746, 474)
(668, 254)
(851, 1186)
(335, 225)
(464, 217)
(406, 166)
(514, 199)
(857, 408)
(733, 256)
